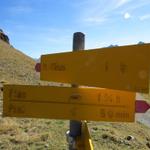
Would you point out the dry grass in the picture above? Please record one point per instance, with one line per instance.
(114, 135)
(32, 134)
(40, 134)
(15, 67)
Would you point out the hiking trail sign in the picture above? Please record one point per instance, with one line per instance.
(121, 68)
(68, 103)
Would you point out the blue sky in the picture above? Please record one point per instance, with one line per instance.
(46, 26)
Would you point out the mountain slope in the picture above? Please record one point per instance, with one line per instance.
(16, 67)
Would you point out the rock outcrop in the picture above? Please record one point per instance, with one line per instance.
(4, 37)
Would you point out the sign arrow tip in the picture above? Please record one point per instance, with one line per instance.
(38, 67)
(141, 106)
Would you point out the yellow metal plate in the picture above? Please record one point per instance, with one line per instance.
(84, 141)
(121, 68)
(68, 103)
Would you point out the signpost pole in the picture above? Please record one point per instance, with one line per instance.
(76, 126)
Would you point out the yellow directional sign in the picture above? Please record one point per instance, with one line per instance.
(121, 68)
(68, 103)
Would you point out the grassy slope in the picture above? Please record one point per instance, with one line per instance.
(30, 134)
(15, 67)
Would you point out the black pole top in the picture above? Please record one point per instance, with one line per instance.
(78, 41)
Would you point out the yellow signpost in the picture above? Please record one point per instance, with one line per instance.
(84, 142)
(68, 103)
(121, 68)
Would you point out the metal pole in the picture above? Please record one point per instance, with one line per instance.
(75, 126)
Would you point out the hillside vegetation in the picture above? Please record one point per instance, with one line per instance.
(15, 67)
(46, 134)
